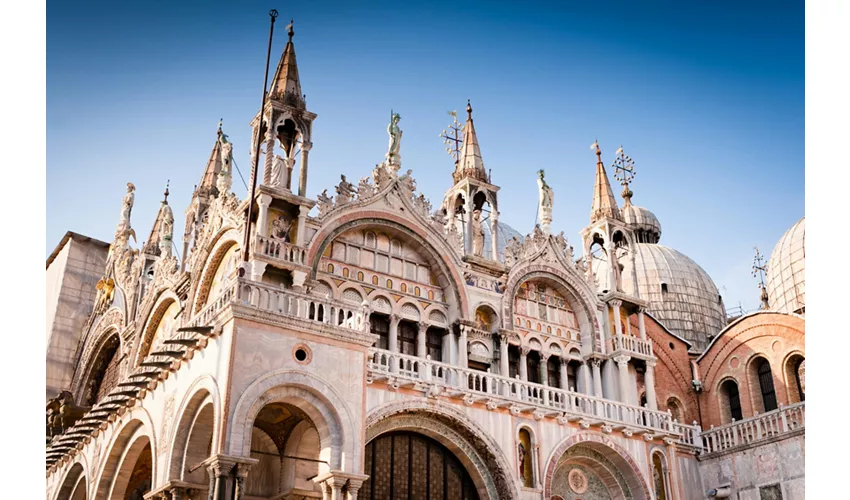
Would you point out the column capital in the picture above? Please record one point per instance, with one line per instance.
(303, 210)
(306, 146)
(544, 356)
(596, 362)
(641, 309)
(394, 318)
(650, 363)
(222, 465)
(524, 350)
(615, 302)
(264, 200)
(423, 327)
(622, 360)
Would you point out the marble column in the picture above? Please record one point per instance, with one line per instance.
(504, 365)
(523, 363)
(263, 201)
(269, 162)
(543, 367)
(393, 340)
(588, 380)
(649, 382)
(421, 337)
(240, 476)
(494, 235)
(618, 323)
(565, 379)
(467, 231)
(623, 372)
(289, 163)
(302, 181)
(462, 348)
(642, 323)
(301, 230)
(597, 377)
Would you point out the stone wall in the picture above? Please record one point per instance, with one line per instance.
(757, 473)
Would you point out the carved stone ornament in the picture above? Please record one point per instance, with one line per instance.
(577, 481)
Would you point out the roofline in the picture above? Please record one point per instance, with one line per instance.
(667, 330)
(738, 320)
(75, 236)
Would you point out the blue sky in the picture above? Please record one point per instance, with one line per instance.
(706, 97)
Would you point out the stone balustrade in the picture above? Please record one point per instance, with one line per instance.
(206, 316)
(277, 250)
(632, 345)
(288, 302)
(751, 430)
(526, 396)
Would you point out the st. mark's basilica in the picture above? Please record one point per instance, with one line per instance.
(368, 344)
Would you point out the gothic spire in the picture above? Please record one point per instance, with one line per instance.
(286, 85)
(152, 244)
(604, 204)
(471, 164)
(206, 186)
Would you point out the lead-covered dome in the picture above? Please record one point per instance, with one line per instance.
(680, 293)
(786, 271)
(643, 222)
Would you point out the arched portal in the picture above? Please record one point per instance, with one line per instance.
(407, 464)
(74, 485)
(193, 441)
(104, 371)
(589, 465)
(128, 471)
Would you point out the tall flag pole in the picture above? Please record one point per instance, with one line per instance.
(247, 241)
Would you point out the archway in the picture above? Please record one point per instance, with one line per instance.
(128, 472)
(589, 465)
(193, 440)
(795, 377)
(406, 464)
(75, 484)
(104, 371)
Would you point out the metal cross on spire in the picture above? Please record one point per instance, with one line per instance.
(624, 171)
(759, 271)
(452, 138)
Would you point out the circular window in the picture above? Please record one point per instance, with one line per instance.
(302, 354)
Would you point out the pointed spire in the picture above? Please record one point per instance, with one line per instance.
(207, 185)
(604, 204)
(471, 163)
(151, 246)
(286, 85)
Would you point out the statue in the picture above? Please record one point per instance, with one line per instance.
(547, 199)
(105, 293)
(326, 203)
(278, 168)
(408, 183)
(365, 189)
(127, 205)
(280, 229)
(344, 191)
(477, 234)
(166, 230)
(382, 176)
(393, 154)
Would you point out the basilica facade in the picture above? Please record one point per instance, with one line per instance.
(366, 344)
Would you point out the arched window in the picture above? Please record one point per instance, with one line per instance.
(795, 376)
(731, 401)
(659, 476)
(533, 366)
(572, 376)
(675, 409)
(768, 393)
(407, 338)
(434, 343)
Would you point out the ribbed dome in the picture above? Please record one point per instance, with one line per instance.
(643, 222)
(786, 271)
(680, 293)
(506, 232)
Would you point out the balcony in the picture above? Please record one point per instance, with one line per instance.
(630, 345)
(520, 396)
(277, 252)
(751, 431)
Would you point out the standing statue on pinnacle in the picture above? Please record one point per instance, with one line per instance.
(547, 199)
(127, 205)
(393, 154)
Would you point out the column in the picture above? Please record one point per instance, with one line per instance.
(267, 168)
(642, 323)
(649, 382)
(301, 230)
(218, 480)
(421, 336)
(623, 372)
(336, 484)
(302, 181)
(289, 163)
(462, 347)
(449, 348)
(635, 288)
(241, 474)
(611, 250)
(618, 323)
(263, 201)
(504, 366)
(257, 270)
(565, 379)
(393, 340)
(467, 232)
(494, 234)
(544, 369)
(588, 380)
(597, 377)
(523, 363)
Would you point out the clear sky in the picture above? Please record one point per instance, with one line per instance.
(706, 97)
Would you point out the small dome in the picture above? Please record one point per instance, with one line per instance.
(786, 271)
(506, 232)
(680, 293)
(644, 223)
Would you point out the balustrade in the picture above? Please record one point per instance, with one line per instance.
(630, 344)
(754, 429)
(278, 250)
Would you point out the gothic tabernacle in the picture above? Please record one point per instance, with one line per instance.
(373, 346)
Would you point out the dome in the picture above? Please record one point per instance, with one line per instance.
(680, 293)
(506, 232)
(643, 222)
(786, 271)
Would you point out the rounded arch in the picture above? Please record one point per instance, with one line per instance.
(728, 393)
(317, 399)
(760, 380)
(155, 316)
(581, 299)
(101, 370)
(435, 250)
(660, 473)
(483, 459)
(203, 393)
(486, 317)
(607, 450)
(351, 288)
(526, 445)
(793, 372)
(207, 265)
(75, 484)
(404, 308)
(134, 436)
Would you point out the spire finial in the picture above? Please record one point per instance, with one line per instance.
(165, 199)
(624, 172)
(469, 109)
(595, 148)
(289, 30)
(759, 270)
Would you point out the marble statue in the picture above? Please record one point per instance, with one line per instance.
(393, 153)
(344, 191)
(547, 199)
(127, 205)
(166, 230)
(477, 234)
(278, 170)
(326, 203)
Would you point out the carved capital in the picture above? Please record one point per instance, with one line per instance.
(306, 146)
(524, 350)
(650, 363)
(616, 303)
(622, 360)
(264, 200)
(596, 362)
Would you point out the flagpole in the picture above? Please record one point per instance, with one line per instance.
(247, 241)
